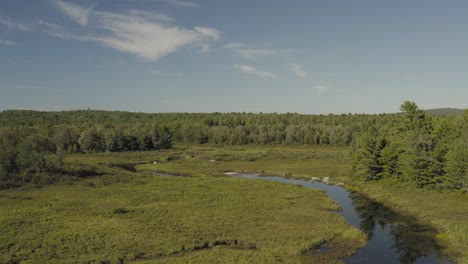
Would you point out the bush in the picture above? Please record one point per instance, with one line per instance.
(121, 211)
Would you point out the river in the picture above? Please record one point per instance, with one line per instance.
(392, 237)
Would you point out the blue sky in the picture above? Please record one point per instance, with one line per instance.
(305, 56)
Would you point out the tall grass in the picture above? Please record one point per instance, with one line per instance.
(124, 217)
(298, 162)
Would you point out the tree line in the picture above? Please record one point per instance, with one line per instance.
(33, 143)
(428, 151)
(201, 128)
(35, 154)
(411, 145)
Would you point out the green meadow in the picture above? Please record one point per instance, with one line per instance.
(297, 162)
(118, 211)
(447, 211)
(121, 216)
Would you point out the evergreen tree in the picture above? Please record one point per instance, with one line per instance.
(162, 138)
(457, 167)
(389, 159)
(414, 116)
(367, 157)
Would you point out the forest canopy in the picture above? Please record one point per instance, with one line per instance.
(427, 149)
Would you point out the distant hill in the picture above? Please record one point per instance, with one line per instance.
(445, 111)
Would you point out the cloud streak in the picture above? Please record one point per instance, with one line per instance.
(209, 32)
(152, 16)
(297, 70)
(252, 54)
(148, 39)
(15, 25)
(181, 3)
(249, 53)
(250, 70)
(7, 42)
(165, 74)
(320, 89)
(77, 13)
(31, 88)
(148, 35)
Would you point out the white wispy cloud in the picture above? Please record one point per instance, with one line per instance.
(181, 3)
(31, 88)
(77, 13)
(209, 32)
(152, 16)
(148, 35)
(247, 69)
(233, 45)
(249, 53)
(146, 39)
(15, 25)
(297, 70)
(165, 74)
(50, 26)
(58, 31)
(40, 26)
(319, 89)
(7, 42)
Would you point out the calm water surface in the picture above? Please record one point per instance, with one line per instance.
(392, 237)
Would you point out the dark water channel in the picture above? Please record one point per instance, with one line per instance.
(392, 237)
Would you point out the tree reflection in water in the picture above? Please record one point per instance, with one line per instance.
(411, 239)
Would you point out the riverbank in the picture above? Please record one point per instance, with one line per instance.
(392, 237)
(301, 162)
(448, 212)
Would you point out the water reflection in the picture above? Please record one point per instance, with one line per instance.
(392, 237)
(406, 240)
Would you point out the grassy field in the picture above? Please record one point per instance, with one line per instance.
(446, 211)
(297, 162)
(127, 217)
(121, 216)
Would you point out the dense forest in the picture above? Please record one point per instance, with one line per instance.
(429, 151)
(425, 148)
(199, 128)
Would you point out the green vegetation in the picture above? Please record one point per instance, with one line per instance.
(77, 185)
(445, 211)
(426, 151)
(35, 155)
(417, 146)
(51, 135)
(131, 131)
(126, 217)
(298, 162)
